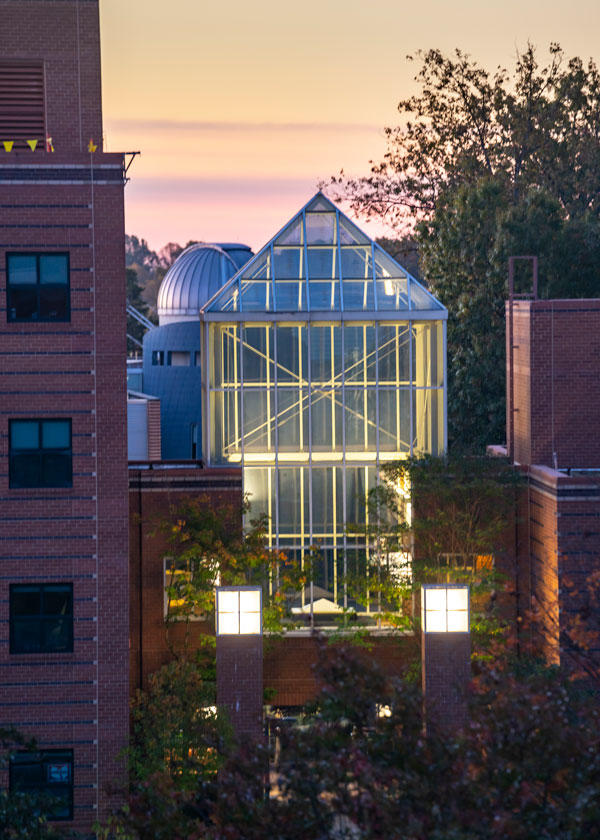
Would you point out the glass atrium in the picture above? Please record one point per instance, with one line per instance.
(323, 359)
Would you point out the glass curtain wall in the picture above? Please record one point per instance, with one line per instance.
(323, 360)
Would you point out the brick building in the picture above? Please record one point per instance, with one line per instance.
(155, 488)
(553, 406)
(63, 468)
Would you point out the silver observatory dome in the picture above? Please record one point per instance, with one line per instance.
(196, 275)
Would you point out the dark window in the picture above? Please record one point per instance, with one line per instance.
(158, 357)
(41, 618)
(195, 433)
(38, 287)
(40, 453)
(48, 773)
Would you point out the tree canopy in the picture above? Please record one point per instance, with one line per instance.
(150, 267)
(538, 126)
(358, 764)
(485, 166)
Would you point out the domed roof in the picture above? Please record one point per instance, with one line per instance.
(195, 276)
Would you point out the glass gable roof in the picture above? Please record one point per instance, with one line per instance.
(321, 261)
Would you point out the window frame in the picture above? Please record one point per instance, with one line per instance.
(41, 618)
(44, 758)
(38, 319)
(13, 482)
(174, 568)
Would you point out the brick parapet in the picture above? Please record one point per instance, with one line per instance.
(155, 492)
(65, 35)
(556, 398)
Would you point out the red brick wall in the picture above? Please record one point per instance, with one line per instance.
(65, 35)
(68, 201)
(289, 662)
(152, 493)
(559, 550)
(76, 370)
(446, 676)
(556, 402)
(240, 683)
(553, 400)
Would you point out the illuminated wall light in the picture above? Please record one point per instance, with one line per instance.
(239, 611)
(445, 608)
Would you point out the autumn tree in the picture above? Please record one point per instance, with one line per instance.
(205, 544)
(485, 166)
(359, 765)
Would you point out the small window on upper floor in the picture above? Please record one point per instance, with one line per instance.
(183, 590)
(37, 287)
(179, 358)
(40, 453)
(158, 357)
(195, 436)
(47, 774)
(41, 618)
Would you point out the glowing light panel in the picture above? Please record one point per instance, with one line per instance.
(239, 611)
(445, 608)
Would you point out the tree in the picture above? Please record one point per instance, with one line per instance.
(404, 250)
(175, 728)
(459, 530)
(464, 252)
(151, 267)
(22, 814)
(538, 127)
(205, 544)
(461, 505)
(487, 166)
(134, 297)
(358, 765)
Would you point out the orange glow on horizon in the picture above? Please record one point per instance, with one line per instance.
(241, 109)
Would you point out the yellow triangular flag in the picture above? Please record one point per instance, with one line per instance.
(92, 146)
(8, 144)
(32, 144)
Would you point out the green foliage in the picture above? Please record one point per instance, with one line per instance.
(464, 251)
(460, 509)
(509, 775)
(461, 504)
(526, 766)
(209, 544)
(175, 727)
(134, 297)
(534, 127)
(404, 250)
(384, 580)
(487, 166)
(21, 814)
(150, 267)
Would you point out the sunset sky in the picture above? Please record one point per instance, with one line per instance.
(240, 108)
